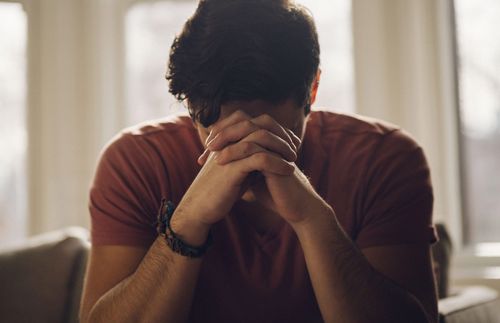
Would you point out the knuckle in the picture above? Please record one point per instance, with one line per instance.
(262, 158)
(226, 151)
(269, 119)
(240, 114)
(266, 118)
(261, 133)
(247, 124)
(222, 135)
(214, 130)
(247, 147)
(224, 155)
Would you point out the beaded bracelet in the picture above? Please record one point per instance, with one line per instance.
(165, 213)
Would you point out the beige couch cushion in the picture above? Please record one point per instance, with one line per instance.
(41, 280)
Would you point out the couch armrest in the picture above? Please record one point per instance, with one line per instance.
(477, 304)
(41, 278)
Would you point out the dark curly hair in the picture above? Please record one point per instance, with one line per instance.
(243, 50)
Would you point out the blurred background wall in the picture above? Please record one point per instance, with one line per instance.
(75, 72)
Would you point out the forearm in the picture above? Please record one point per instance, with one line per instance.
(160, 290)
(346, 286)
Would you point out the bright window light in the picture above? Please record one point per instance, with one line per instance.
(479, 78)
(151, 28)
(13, 197)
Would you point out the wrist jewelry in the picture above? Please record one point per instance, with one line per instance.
(175, 243)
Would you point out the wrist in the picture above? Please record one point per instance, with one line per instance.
(318, 216)
(188, 229)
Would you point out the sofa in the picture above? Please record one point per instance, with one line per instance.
(41, 281)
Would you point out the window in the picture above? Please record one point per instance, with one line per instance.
(12, 122)
(150, 30)
(333, 21)
(478, 38)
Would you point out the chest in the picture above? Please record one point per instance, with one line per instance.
(244, 279)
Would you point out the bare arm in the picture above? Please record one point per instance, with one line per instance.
(382, 284)
(126, 284)
(379, 284)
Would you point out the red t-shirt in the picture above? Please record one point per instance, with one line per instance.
(373, 174)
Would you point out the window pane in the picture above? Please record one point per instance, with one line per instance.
(478, 35)
(150, 30)
(333, 22)
(12, 122)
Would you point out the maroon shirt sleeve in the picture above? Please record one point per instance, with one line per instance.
(398, 198)
(122, 203)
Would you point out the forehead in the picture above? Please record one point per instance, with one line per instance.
(286, 112)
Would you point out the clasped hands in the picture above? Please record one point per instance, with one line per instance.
(243, 145)
(238, 147)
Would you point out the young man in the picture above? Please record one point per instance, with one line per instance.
(279, 214)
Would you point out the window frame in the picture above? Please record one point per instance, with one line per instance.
(465, 217)
(474, 262)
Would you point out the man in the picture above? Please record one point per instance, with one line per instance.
(277, 213)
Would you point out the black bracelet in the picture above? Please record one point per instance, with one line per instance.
(165, 213)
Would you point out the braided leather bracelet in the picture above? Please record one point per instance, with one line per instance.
(175, 243)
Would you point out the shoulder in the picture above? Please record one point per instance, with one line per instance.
(157, 136)
(153, 130)
(144, 150)
(377, 135)
(170, 124)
